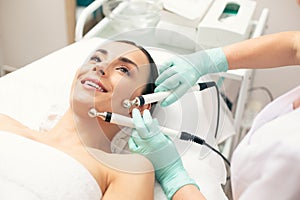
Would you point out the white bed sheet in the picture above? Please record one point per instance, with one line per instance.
(57, 174)
(29, 94)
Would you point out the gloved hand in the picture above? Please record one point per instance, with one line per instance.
(181, 73)
(146, 139)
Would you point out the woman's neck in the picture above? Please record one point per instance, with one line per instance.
(74, 129)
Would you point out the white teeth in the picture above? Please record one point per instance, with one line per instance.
(92, 84)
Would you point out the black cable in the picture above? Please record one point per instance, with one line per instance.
(264, 89)
(189, 137)
(218, 110)
(206, 85)
(198, 140)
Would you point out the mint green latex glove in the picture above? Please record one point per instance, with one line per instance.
(147, 140)
(180, 73)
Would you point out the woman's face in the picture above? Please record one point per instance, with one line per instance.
(116, 71)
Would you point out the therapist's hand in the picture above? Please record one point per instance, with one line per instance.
(147, 140)
(181, 72)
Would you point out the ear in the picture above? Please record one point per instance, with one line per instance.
(141, 108)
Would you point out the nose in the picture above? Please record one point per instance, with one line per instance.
(99, 69)
(102, 72)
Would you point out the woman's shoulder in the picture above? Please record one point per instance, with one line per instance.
(130, 163)
(11, 125)
(5, 120)
(130, 176)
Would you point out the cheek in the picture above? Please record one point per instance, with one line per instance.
(86, 68)
(103, 103)
(81, 71)
(75, 89)
(128, 89)
(124, 88)
(123, 91)
(110, 103)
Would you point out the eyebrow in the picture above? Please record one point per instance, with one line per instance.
(102, 51)
(123, 59)
(126, 60)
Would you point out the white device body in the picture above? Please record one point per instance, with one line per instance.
(220, 27)
(214, 26)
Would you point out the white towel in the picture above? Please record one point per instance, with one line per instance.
(32, 170)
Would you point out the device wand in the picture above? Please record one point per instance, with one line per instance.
(126, 121)
(158, 96)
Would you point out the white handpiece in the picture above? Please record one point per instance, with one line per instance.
(127, 121)
(154, 97)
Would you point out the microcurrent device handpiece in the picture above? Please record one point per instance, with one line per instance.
(125, 121)
(157, 96)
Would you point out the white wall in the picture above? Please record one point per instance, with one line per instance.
(284, 16)
(31, 29)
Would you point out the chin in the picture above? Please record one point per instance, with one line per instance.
(80, 109)
(81, 104)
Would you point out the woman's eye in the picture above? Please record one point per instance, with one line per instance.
(95, 58)
(124, 70)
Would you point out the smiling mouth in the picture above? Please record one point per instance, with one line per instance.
(97, 85)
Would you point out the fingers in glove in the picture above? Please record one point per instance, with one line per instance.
(139, 123)
(169, 84)
(133, 142)
(151, 124)
(165, 65)
(175, 95)
(165, 75)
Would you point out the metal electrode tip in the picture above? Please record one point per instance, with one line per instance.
(92, 113)
(127, 103)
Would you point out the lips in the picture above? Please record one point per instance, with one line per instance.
(92, 83)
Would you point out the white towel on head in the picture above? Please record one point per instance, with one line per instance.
(32, 170)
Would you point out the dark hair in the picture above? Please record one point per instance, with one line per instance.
(150, 86)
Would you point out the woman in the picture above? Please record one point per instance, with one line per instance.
(116, 71)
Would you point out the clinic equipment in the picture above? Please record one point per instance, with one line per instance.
(226, 22)
(126, 121)
(208, 23)
(155, 97)
(135, 14)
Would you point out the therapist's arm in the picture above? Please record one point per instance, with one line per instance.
(274, 50)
